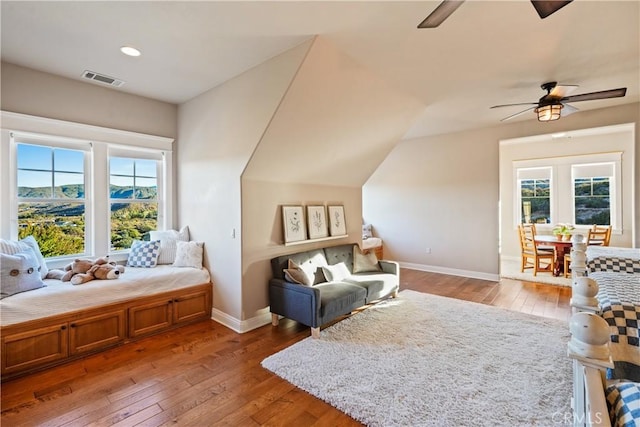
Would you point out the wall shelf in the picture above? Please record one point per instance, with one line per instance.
(320, 239)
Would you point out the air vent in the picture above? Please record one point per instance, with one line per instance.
(101, 78)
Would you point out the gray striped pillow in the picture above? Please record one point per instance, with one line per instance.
(169, 243)
(12, 247)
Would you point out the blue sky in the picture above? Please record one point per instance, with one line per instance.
(36, 164)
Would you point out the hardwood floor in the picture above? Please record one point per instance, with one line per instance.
(207, 375)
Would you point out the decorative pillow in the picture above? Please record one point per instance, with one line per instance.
(144, 254)
(19, 273)
(189, 254)
(336, 272)
(168, 243)
(304, 275)
(366, 231)
(364, 263)
(623, 400)
(12, 247)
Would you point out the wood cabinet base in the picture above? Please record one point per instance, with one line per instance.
(39, 344)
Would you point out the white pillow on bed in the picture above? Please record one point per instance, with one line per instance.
(189, 254)
(168, 243)
(12, 247)
(19, 272)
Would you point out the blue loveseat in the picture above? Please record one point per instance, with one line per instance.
(326, 300)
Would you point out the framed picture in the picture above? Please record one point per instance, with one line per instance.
(337, 225)
(293, 224)
(317, 221)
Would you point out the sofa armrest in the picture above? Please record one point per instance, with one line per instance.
(391, 267)
(294, 301)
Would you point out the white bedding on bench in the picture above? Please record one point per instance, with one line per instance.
(61, 297)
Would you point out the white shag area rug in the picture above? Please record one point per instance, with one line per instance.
(426, 360)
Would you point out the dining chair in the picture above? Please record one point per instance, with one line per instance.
(530, 233)
(599, 235)
(532, 256)
(567, 263)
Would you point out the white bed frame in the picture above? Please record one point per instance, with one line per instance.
(589, 383)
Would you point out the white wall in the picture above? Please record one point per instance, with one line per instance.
(442, 192)
(218, 132)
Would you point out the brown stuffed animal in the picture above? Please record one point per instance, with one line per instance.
(108, 271)
(79, 266)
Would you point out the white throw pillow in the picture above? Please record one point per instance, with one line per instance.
(366, 231)
(336, 272)
(19, 273)
(12, 247)
(168, 243)
(189, 254)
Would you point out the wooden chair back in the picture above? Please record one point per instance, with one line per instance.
(599, 235)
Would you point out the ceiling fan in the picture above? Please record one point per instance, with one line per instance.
(447, 7)
(553, 105)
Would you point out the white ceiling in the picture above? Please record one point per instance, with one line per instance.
(486, 53)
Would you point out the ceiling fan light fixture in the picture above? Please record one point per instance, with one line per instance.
(548, 113)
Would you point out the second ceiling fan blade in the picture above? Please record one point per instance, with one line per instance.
(546, 8)
(440, 13)
(517, 114)
(604, 94)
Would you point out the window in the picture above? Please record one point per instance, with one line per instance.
(535, 195)
(592, 193)
(133, 193)
(582, 190)
(71, 190)
(51, 198)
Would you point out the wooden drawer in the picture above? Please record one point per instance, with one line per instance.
(37, 347)
(97, 332)
(191, 307)
(150, 317)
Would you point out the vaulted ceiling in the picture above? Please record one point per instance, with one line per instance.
(486, 53)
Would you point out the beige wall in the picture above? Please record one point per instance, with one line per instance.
(41, 94)
(442, 192)
(263, 234)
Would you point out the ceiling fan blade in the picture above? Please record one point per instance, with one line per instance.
(546, 8)
(517, 114)
(567, 109)
(513, 105)
(440, 13)
(560, 91)
(613, 93)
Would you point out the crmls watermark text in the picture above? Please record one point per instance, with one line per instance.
(569, 418)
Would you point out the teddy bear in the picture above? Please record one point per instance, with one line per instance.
(79, 266)
(106, 271)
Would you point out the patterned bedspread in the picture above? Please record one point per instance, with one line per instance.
(619, 297)
(606, 258)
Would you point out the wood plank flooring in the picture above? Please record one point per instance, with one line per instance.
(207, 375)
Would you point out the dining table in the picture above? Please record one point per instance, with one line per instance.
(562, 247)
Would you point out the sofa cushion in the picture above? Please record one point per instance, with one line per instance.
(374, 287)
(337, 298)
(340, 253)
(389, 283)
(336, 273)
(314, 257)
(364, 263)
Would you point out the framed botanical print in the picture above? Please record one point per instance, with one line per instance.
(293, 224)
(317, 222)
(337, 225)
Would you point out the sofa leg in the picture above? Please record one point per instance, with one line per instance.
(275, 319)
(315, 332)
(394, 294)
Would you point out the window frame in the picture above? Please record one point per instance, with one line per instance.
(562, 197)
(98, 141)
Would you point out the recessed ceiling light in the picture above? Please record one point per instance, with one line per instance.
(130, 51)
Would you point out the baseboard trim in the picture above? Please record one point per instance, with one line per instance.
(240, 326)
(451, 271)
